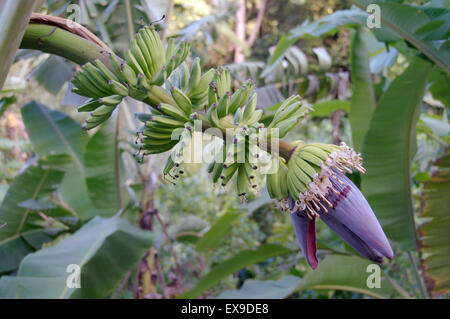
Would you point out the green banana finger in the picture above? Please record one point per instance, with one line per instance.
(182, 100)
(111, 100)
(91, 105)
(118, 88)
(103, 110)
(172, 111)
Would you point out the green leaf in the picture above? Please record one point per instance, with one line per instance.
(227, 267)
(187, 229)
(33, 183)
(415, 24)
(388, 149)
(278, 55)
(102, 163)
(363, 99)
(326, 108)
(324, 26)
(217, 233)
(105, 250)
(54, 132)
(258, 289)
(434, 247)
(349, 273)
(53, 73)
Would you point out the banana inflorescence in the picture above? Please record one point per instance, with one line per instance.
(298, 181)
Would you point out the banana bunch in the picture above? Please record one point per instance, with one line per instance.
(173, 166)
(146, 64)
(235, 160)
(306, 165)
(276, 182)
(161, 132)
(225, 109)
(288, 115)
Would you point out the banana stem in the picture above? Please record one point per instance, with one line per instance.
(54, 40)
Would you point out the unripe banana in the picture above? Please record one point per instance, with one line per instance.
(156, 149)
(103, 110)
(195, 75)
(282, 175)
(155, 47)
(170, 164)
(222, 106)
(217, 172)
(95, 121)
(150, 141)
(118, 88)
(228, 172)
(250, 107)
(166, 121)
(323, 155)
(211, 167)
(128, 74)
(132, 62)
(89, 84)
(170, 48)
(305, 166)
(96, 75)
(111, 100)
(160, 77)
(255, 117)
(199, 90)
(238, 116)
(157, 135)
(300, 172)
(89, 106)
(80, 92)
(182, 100)
(286, 110)
(137, 53)
(223, 82)
(148, 56)
(240, 97)
(212, 115)
(173, 111)
(284, 127)
(313, 159)
(105, 71)
(212, 94)
(184, 77)
(242, 181)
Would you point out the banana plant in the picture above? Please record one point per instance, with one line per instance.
(306, 179)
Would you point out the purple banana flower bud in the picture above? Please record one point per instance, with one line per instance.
(350, 217)
(339, 203)
(305, 230)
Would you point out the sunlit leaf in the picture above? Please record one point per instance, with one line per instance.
(363, 101)
(258, 289)
(102, 163)
(350, 273)
(53, 132)
(32, 184)
(104, 249)
(388, 149)
(243, 259)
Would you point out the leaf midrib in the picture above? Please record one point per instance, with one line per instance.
(64, 141)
